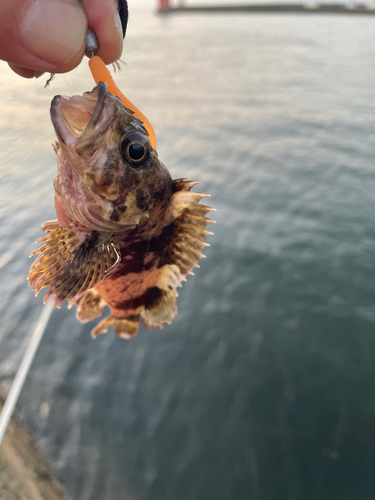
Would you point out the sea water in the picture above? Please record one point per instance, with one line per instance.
(263, 387)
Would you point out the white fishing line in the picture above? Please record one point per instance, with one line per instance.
(5, 258)
(24, 367)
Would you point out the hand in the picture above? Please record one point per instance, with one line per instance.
(38, 36)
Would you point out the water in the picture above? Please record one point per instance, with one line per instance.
(263, 386)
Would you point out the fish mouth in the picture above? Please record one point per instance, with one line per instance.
(81, 124)
(83, 118)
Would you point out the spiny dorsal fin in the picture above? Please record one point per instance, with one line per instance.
(71, 262)
(188, 228)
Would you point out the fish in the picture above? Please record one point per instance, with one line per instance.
(126, 235)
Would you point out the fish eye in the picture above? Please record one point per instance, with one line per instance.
(135, 148)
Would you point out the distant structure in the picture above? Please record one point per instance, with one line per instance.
(164, 7)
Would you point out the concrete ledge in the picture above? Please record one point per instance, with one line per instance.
(24, 474)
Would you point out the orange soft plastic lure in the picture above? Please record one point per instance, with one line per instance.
(101, 74)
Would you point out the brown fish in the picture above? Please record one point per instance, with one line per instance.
(126, 234)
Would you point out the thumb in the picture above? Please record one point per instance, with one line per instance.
(42, 35)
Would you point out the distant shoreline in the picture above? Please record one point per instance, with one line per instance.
(287, 8)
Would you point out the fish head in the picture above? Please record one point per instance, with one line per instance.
(109, 173)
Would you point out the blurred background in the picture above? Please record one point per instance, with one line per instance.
(263, 388)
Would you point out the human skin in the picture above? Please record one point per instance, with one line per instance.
(38, 36)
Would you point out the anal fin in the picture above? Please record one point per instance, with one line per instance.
(160, 305)
(71, 262)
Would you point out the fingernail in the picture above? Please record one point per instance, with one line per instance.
(124, 14)
(38, 74)
(53, 30)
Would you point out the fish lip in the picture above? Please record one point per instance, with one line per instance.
(84, 106)
(60, 129)
(102, 94)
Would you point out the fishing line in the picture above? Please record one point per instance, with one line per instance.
(24, 367)
(5, 258)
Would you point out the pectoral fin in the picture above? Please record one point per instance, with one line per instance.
(72, 262)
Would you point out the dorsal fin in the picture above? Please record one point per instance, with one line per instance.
(189, 232)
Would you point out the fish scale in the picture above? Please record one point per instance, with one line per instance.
(126, 234)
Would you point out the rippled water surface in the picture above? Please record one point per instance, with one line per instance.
(263, 388)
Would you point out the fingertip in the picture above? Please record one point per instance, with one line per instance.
(105, 21)
(110, 41)
(54, 31)
(25, 72)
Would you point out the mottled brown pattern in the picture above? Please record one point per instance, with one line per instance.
(154, 223)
